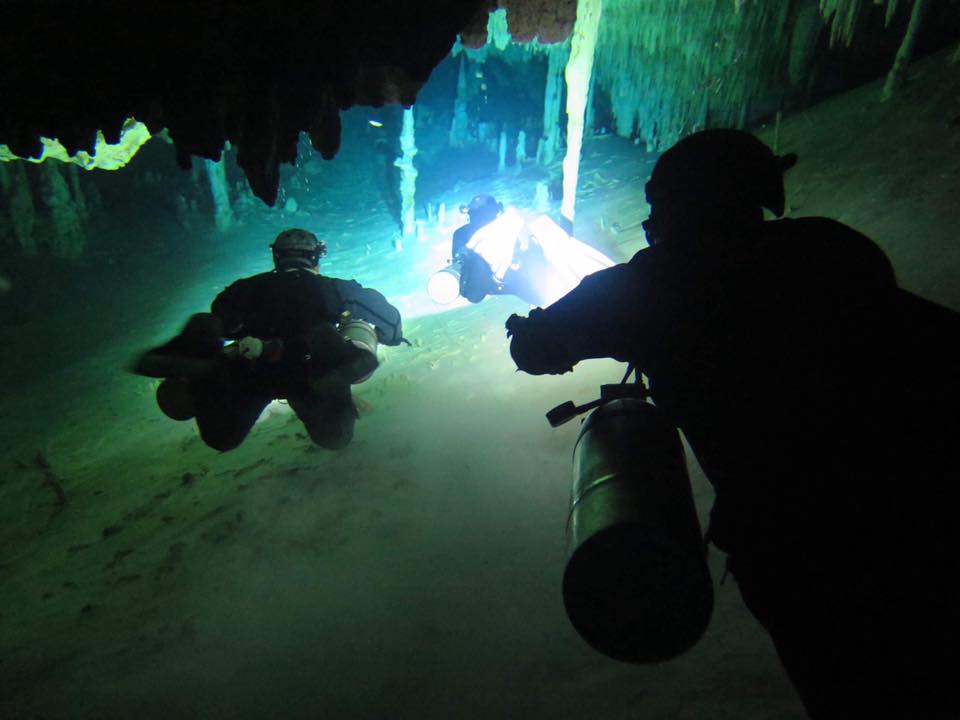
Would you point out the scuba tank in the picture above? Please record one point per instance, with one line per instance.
(360, 333)
(175, 400)
(468, 276)
(444, 285)
(636, 585)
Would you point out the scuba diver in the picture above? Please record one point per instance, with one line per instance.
(296, 335)
(480, 211)
(821, 401)
(506, 252)
(475, 278)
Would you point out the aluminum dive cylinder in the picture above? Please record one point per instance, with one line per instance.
(174, 399)
(362, 334)
(444, 285)
(636, 586)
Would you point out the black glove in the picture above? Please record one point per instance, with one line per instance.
(533, 347)
(515, 324)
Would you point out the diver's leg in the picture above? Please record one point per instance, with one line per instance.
(476, 278)
(329, 418)
(193, 353)
(795, 630)
(226, 409)
(857, 633)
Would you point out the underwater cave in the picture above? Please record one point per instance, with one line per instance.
(149, 157)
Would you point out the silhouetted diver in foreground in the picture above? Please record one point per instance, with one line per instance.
(821, 401)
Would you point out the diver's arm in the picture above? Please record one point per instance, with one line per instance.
(594, 320)
(369, 305)
(461, 236)
(229, 307)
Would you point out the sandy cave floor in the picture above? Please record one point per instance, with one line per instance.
(417, 572)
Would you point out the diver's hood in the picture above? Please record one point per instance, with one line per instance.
(721, 164)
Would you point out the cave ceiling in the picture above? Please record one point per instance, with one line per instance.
(254, 73)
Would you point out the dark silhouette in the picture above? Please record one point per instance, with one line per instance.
(821, 401)
(476, 277)
(284, 325)
(482, 210)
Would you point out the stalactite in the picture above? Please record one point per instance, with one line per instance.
(843, 15)
(502, 152)
(588, 121)
(891, 10)
(458, 127)
(195, 173)
(501, 45)
(579, 69)
(408, 174)
(541, 197)
(67, 239)
(79, 197)
(552, 102)
(217, 175)
(497, 32)
(6, 227)
(521, 151)
(670, 68)
(905, 52)
(22, 210)
(803, 42)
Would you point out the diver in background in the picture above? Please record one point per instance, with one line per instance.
(286, 345)
(475, 275)
(509, 252)
(480, 211)
(821, 401)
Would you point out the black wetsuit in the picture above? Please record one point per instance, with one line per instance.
(463, 234)
(822, 402)
(299, 309)
(287, 304)
(476, 276)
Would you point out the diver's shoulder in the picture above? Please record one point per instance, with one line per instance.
(643, 257)
(829, 239)
(249, 282)
(299, 275)
(259, 278)
(814, 228)
(341, 282)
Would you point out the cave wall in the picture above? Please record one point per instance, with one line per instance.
(254, 73)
